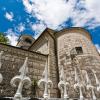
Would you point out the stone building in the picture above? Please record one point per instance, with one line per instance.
(70, 49)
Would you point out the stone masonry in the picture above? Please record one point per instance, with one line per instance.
(12, 59)
(58, 48)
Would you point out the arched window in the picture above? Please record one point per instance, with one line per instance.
(28, 40)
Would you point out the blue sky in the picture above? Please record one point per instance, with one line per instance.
(33, 16)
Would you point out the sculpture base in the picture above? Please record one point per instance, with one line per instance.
(27, 98)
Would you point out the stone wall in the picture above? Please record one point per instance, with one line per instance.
(12, 59)
(88, 60)
(46, 44)
(43, 49)
(40, 45)
(58, 47)
(53, 68)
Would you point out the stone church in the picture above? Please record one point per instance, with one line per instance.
(73, 64)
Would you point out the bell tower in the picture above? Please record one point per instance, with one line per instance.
(25, 41)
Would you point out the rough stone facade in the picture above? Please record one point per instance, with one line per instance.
(12, 59)
(88, 60)
(57, 47)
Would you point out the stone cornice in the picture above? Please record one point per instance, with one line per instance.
(19, 51)
(74, 30)
(38, 40)
(55, 34)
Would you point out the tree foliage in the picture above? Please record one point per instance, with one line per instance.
(3, 39)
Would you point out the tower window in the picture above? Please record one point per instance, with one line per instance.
(79, 50)
(28, 41)
(76, 51)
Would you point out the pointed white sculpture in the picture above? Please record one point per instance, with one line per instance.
(97, 81)
(78, 85)
(22, 79)
(89, 85)
(1, 78)
(1, 53)
(45, 82)
(63, 85)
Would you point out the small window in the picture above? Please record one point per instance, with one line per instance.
(28, 41)
(76, 51)
(79, 50)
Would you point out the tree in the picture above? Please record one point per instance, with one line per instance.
(34, 87)
(3, 39)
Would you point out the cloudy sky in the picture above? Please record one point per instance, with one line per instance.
(33, 16)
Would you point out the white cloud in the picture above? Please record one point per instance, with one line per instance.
(9, 16)
(21, 27)
(98, 47)
(89, 17)
(51, 12)
(93, 7)
(12, 37)
(55, 12)
(38, 28)
(28, 6)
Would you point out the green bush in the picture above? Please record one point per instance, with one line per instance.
(3, 39)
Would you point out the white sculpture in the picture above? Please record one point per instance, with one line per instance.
(97, 81)
(1, 78)
(78, 85)
(63, 85)
(46, 82)
(89, 85)
(21, 79)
